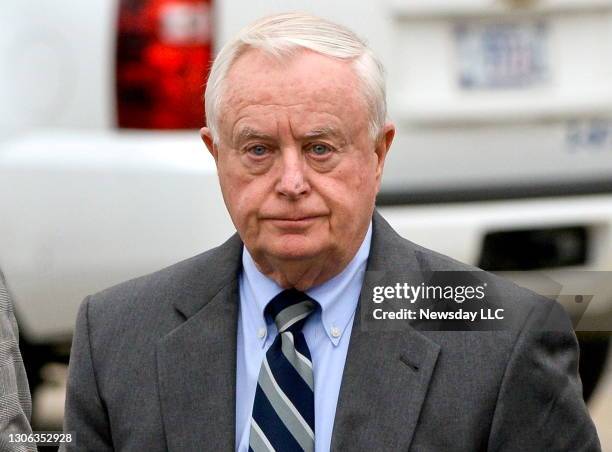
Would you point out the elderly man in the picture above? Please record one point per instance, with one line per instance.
(265, 343)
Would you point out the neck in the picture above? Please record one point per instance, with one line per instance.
(303, 273)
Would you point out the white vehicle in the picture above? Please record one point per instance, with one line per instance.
(503, 156)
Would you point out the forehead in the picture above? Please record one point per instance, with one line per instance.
(306, 85)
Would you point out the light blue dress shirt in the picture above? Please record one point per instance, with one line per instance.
(327, 332)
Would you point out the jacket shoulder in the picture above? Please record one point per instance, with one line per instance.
(522, 302)
(391, 250)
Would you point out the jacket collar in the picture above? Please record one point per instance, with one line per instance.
(211, 272)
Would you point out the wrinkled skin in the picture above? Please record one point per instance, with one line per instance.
(298, 169)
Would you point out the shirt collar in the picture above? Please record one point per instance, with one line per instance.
(338, 296)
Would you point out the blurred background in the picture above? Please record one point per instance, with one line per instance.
(503, 157)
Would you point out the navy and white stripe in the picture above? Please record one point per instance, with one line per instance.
(283, 410)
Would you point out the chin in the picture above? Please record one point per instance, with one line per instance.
(294, 247)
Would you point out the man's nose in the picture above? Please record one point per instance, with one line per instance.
(293, 182)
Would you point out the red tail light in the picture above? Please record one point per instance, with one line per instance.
(163, 56)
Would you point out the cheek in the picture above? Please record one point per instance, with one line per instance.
(243, 194)
(366, 175)
(357, 180)
(346, 195)
(367, 182)
(350, 193)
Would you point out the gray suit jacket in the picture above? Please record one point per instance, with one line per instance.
(15, 404)
(153, 368)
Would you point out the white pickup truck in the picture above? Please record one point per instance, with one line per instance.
(503, 156)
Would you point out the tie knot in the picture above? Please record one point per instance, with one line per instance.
(290, 309)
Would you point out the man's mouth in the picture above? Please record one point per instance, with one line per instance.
(293, 221)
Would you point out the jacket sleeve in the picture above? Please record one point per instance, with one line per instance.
(540, 404)
(85, 415)
(15, 403)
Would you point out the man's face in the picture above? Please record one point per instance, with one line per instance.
(298, 169)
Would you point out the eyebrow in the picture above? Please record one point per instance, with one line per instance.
(326, 131)
(249, 133)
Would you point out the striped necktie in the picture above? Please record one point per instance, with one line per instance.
(283, 410)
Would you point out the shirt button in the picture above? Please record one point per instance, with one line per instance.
(261, 333)
(335, 331)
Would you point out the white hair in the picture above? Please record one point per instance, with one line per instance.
(281, 36)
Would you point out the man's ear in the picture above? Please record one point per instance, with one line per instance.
(209, 142)
(382, 148)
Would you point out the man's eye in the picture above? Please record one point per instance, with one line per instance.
(258, 151)
(320, 149)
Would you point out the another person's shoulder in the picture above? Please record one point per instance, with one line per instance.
(15, 401)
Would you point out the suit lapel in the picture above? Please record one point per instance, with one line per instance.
(387, 373)
(196, 362)
(385, 381)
